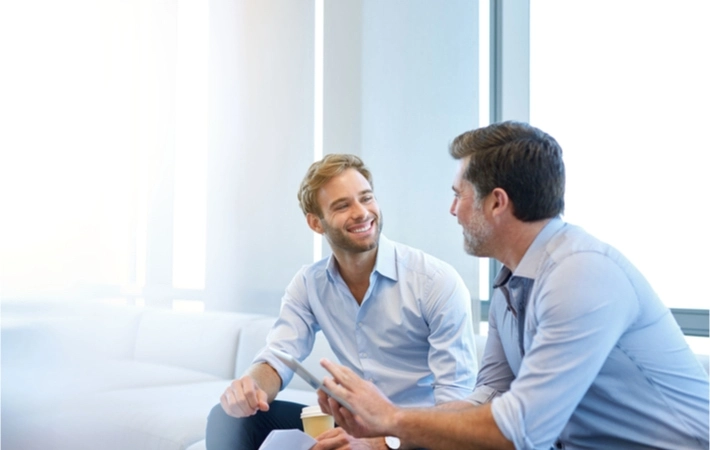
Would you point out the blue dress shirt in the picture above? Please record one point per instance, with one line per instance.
(581, 353)
(412, 335)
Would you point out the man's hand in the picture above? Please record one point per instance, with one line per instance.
(374, 413)
(338, 439)
(244, 398)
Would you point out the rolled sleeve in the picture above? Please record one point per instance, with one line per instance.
(452, 351)
(482, 395)
(293, 332)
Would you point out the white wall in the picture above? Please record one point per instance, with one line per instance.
(261, 143)
(400, 82)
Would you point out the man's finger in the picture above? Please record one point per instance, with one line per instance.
(250, 391)
(334, 407)
(323, 402)
(329, 365)
(223, 400)
(341, 374)
(230, 405)
(263, 404)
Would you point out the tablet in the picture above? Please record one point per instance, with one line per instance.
(311, 379)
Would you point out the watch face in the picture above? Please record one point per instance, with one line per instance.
(392, 442)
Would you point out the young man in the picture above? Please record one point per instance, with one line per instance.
(581, 353)
(392, 314)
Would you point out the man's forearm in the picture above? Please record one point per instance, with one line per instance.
(267, 378)
(458, 425)
(455, 405)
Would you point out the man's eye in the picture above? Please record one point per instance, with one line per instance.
(341, 207)
(367, 198)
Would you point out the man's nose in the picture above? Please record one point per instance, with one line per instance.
(359, 210)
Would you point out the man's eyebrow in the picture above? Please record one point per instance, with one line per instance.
(345, 199)
(337, 200)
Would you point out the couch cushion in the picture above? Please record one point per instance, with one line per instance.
(199, 445)
(155, 418)
(199, 341)
(25, 391)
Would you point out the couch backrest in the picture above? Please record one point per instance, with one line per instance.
(72, 333)
(252, 339)
(206, 341)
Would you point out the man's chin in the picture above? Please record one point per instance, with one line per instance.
(366, 244)
(471, 249)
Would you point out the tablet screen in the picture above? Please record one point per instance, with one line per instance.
(311, 379)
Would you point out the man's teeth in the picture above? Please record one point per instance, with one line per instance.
(360, 230)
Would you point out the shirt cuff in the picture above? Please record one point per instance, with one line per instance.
(481, 395)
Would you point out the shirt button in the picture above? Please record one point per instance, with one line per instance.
(363, 355)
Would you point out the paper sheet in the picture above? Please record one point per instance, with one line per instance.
(287, 439)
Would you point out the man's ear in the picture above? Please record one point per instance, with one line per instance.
(314, 223)
(500, 202)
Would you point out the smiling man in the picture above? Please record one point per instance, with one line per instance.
(581, 352)
(391, 313)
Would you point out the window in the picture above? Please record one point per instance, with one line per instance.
(107, 148)
(622, 87)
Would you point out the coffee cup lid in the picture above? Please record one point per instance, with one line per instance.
(312, 411)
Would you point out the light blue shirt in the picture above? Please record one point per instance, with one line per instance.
(412, 336)
(585, 352)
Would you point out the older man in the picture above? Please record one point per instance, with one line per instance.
(581, 352)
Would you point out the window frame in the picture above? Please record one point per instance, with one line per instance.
(510, 100)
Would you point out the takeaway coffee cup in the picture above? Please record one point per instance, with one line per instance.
(316, 421)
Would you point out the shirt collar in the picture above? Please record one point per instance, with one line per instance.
(385, 265)
(529, 264)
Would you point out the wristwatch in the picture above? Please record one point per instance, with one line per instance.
(392, 442)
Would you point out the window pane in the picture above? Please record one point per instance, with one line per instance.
(623, 86)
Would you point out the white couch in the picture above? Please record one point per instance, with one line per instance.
(102, 377)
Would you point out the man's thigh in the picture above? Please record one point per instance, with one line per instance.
(225, 432)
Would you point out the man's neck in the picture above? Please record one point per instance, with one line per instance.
(355, 269)
(517, 240)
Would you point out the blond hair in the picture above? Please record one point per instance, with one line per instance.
(321, 172)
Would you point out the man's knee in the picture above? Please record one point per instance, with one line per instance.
(218, 417)
(225, 432)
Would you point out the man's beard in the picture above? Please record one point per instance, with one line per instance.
(338, 238)
(476, 235)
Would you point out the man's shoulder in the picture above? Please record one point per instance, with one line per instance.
(418, 261)
(313, 270)
(572, 239)
(573, 247)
